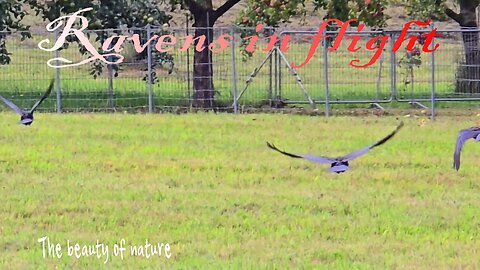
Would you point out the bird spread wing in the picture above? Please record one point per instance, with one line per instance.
(12, 105)
(47, 93)
(364, 150)
(463, 135)
(318, 159)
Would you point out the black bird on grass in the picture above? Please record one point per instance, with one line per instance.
(464, 135)
(27, 116)
(338, 164)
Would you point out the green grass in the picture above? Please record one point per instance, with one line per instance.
(209, 186)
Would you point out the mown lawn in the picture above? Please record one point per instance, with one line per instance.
(208, 185)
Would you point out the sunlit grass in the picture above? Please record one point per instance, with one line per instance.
(209, 186)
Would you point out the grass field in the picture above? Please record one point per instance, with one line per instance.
(207, 185)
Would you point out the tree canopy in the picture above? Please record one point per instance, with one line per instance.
(11, 14)
(138, 13)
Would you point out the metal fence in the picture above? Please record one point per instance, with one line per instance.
(151, 80)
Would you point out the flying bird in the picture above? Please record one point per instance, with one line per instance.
(464, 135)
(27, 116)
(338, 164)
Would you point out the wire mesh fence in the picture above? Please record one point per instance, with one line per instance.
(170, 67)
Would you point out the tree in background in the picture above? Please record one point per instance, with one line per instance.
(117, 13)
(107, 14)
(276, 12)
(369, 12)
(11, 15)
(468, 73)
(204, 17)
(271, 13)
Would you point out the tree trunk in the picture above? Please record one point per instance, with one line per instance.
(205, 17)
(468, 74)
(204, 90)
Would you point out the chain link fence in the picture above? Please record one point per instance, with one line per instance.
(163, 76)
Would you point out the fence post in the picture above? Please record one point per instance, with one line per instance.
(188, 64)
(57, 77)
(149, 64)
(279, 63)
(393, 68)
(270, 81)
(325, 67)
(111, 92)
(234, 72)
(210, 61)
(275, 79)
(433, 76)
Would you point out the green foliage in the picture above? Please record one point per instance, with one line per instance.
(107, 14)
(270, 14)
(369, 12)
(410, 60)
(275, 12)
(11, 14)
(425, 9)
(178, 4)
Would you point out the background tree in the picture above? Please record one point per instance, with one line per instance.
(276, 12)
(468, 76)
(107, 14)
(11, 15)
(204, 17)
(270, 13)
(369, 12)
(137, 13)
(468, 73)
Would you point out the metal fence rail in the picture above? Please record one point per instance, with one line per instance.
(151, 80)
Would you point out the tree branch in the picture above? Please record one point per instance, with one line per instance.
(224, 8)
(455, 16)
